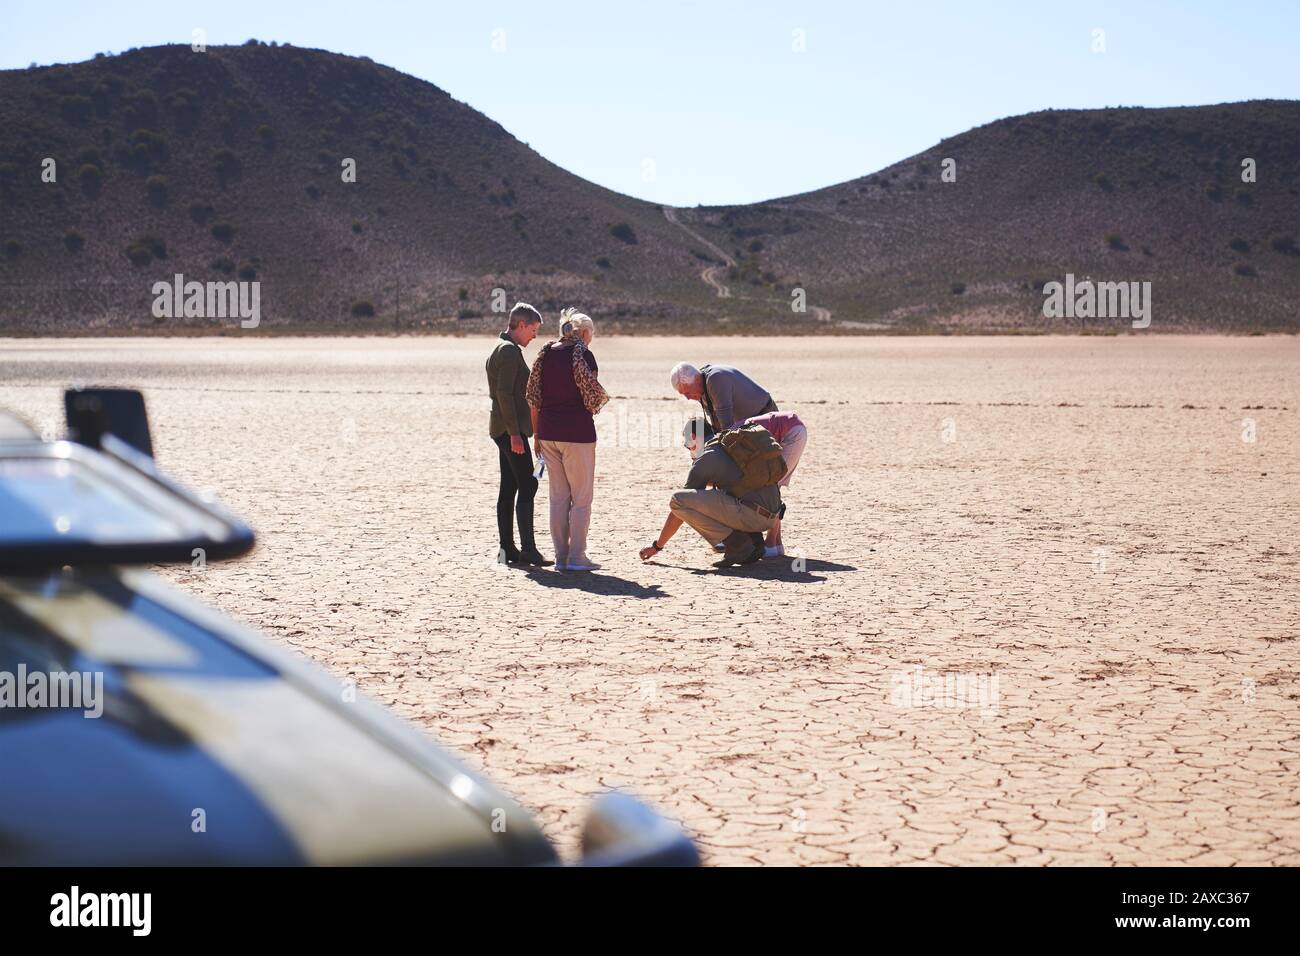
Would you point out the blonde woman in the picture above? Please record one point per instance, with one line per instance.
(563, 395)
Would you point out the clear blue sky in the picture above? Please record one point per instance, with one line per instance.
(713, 92)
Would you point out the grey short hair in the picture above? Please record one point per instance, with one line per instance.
(683, 374)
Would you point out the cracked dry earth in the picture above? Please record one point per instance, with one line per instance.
(1073, 539)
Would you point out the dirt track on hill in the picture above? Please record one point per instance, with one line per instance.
(709, 274)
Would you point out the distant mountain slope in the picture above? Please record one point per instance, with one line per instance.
(228, 163)
(1117, 194)
(254, 137)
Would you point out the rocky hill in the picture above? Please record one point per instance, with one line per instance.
(232, 164)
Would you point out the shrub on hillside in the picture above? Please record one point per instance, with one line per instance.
(101, 94)
(76, 109)
(147, 147)
(1116, 241)
(363, 309)
(139, 254)
(223, 231)
(1239, 245)
(1213, 191)
(185, 103)
(142, 110)
(74, 241)
(223, 264)
(356, 227)
(1245, 269)
(91, 179)
(155, 144)
(200, 213)
(604, 262)
(227, 164)
(247, 272)
(1285, 245)
(623, 233)
(958, 288)
(157, 248)
(157, 186)
(1103, 181)
(13, 249)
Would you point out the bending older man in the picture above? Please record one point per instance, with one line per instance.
(791, 434)
(727, 395)
(730, 505)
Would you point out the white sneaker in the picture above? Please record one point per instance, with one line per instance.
(582, 566)
(777, 551)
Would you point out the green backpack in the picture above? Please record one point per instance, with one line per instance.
(756, 453)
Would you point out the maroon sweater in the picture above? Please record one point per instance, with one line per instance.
(562, 416)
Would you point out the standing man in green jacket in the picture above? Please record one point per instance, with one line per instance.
(510, 427)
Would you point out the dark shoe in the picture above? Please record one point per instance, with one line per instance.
(740, 549)
(508, 555)
(535, 559)
(757, 539)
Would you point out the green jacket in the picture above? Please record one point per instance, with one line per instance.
(507, 374)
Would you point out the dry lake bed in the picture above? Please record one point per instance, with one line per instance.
(1042, 604)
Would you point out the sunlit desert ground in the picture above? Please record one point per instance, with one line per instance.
(1041, 606)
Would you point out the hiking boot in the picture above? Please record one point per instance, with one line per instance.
(740, 549)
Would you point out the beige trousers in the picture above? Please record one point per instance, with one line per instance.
(571, 466)
(715, 514)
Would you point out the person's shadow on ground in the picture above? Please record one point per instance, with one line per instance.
(779, 569)
(769, 569)
(593, 582)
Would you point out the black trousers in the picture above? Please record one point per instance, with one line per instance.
(518, 488)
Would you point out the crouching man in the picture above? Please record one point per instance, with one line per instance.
(731, 496)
